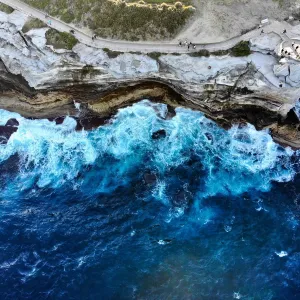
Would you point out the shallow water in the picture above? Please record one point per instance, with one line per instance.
(202, 213)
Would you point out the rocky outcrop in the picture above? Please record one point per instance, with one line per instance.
(40, 83)
(7, 130)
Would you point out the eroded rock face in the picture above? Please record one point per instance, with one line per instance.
(196, 69)
(227, 89)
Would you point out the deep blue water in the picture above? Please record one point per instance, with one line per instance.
(202, 213)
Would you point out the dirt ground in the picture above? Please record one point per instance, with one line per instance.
(218, 20)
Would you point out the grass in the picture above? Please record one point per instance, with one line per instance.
(119, 21)
(5, 8)
(33, 23)
(60, 40)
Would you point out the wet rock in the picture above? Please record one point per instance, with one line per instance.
(90, 123)
(208, 136)
(11, 165)
(291, 118)
(59, 120)
(171, 112)
(159, 134)
(12, 122)
(6, 132)
(149, 178)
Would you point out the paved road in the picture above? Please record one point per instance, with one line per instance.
(145, 47)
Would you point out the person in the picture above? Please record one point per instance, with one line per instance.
(284, 31)
(293, 44)
(262, 31)
(194, 47)
(180, 43)
(280, 85)
(282, 50)
(188, 47)
(260, 26)
(185, 42)
(297, 47)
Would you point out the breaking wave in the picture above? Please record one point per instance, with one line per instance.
(147, 207)
(228, 162)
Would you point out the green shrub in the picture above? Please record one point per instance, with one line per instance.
(5, 8)
(241, 49)
(111, 53)
(60, 40)
(200, 53)
(154, 55)
(33, 23)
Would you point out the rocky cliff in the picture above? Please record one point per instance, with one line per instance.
(41, 82)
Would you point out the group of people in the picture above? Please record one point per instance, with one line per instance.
(187, 44)
(294, 47)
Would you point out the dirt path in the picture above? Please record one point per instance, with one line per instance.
(145, 47)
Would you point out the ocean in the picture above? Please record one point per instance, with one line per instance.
(148, 206)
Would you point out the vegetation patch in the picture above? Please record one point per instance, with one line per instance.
(241, 49)
(155, 55)
(111, 53)
(33, 23)
(200, 53)
(142, 20)
(60, 40)
(5, 8)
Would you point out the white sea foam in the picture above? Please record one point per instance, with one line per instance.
(281, 253)
(233, 161)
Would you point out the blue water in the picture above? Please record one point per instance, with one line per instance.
(111, 213)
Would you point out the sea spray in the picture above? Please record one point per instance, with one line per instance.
(230, 162)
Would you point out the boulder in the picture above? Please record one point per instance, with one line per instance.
(12, 122)
(159, 134)
(6, 132)
(281, 70)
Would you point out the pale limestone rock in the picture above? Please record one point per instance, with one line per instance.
(265, 42)
(90, 56)
(196, 69)
(281, 70)
(132, 65)
(17, 18)
(38, 37)
(294, 77)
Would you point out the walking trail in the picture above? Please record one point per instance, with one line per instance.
(145, 47)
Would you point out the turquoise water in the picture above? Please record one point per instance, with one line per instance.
(201, 213)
